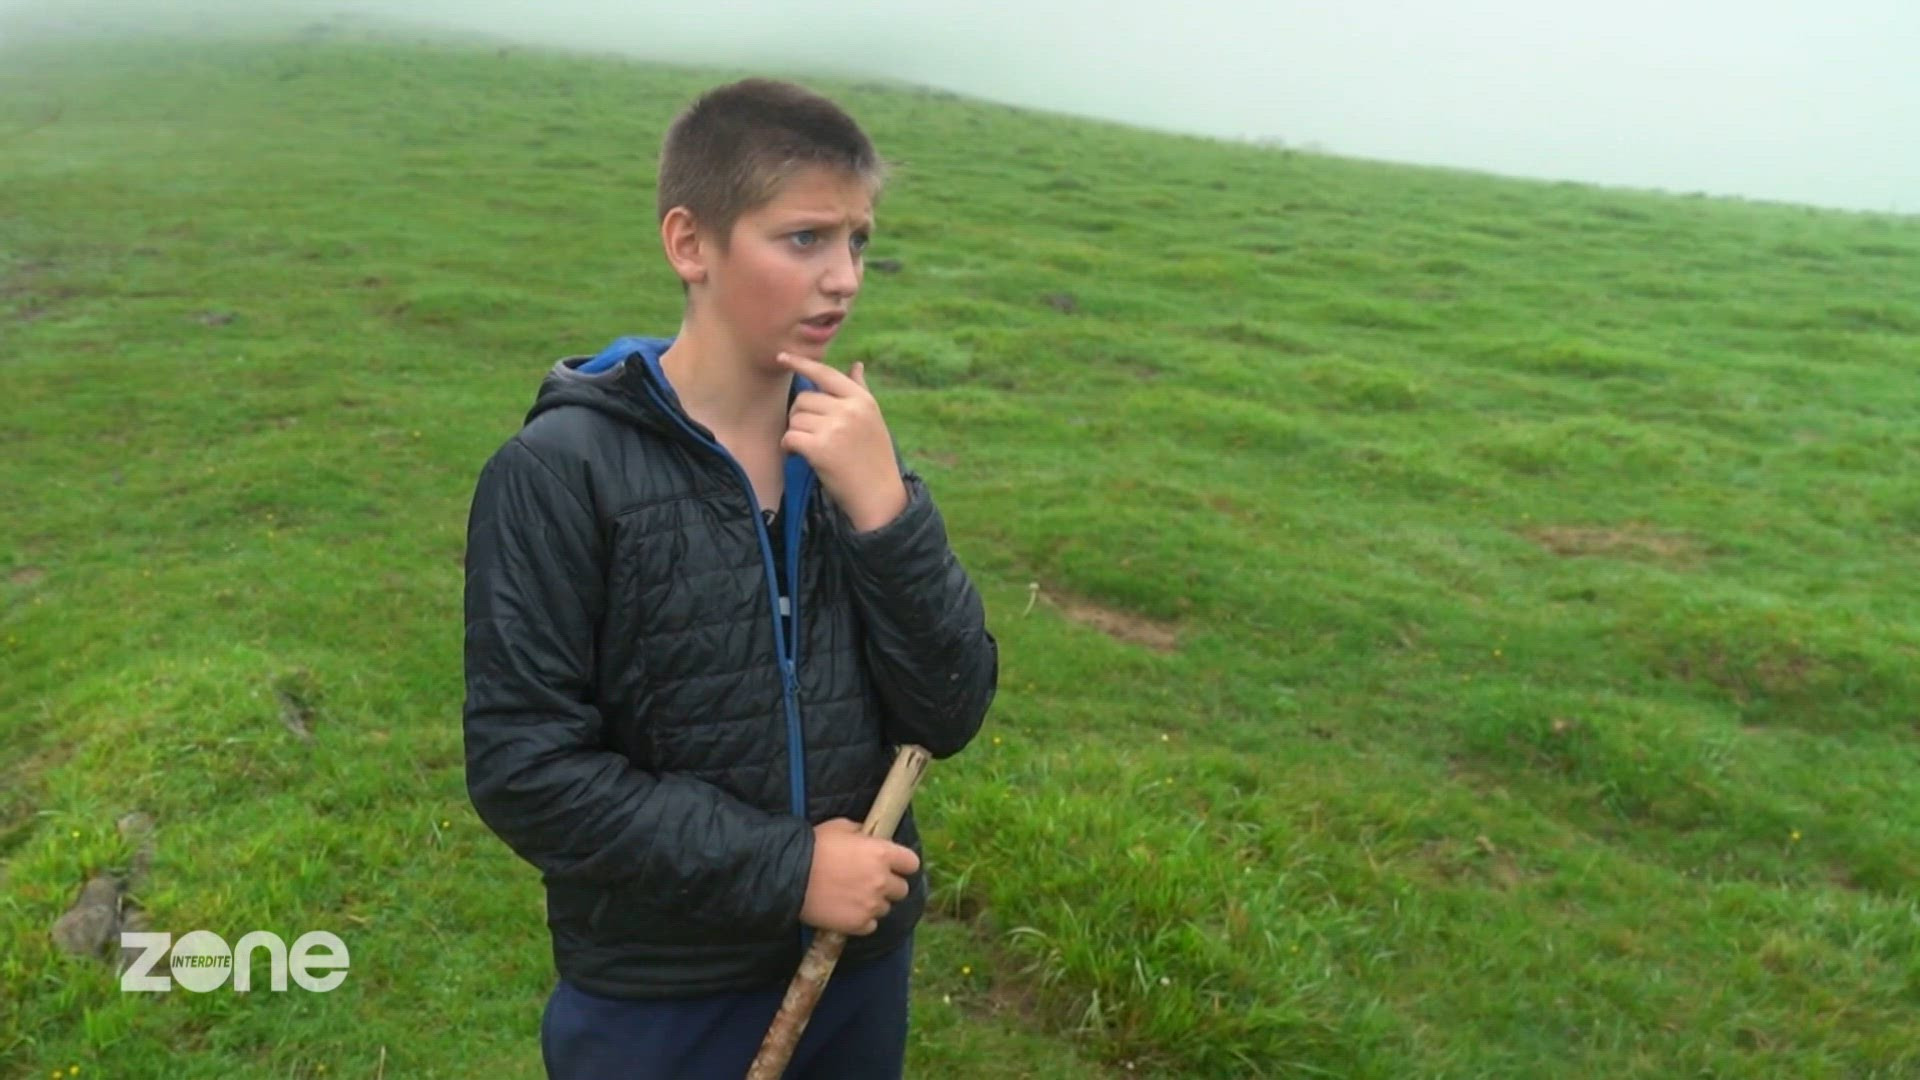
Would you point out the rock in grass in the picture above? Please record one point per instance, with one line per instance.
(92, 920)
(298, 696)
(138, 827)
(132, 921)
(135, 825)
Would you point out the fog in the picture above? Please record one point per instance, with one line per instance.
(1814, 101)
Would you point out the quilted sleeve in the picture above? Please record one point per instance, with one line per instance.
(933, 663)
(538, 768)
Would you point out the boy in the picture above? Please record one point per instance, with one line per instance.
(703, 602)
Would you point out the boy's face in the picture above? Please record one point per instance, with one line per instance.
(793, 265)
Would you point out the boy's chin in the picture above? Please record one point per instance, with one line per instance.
(808, 350)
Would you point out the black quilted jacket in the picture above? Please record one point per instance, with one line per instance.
(635, 725)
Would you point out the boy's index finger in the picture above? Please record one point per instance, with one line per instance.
(827, 379)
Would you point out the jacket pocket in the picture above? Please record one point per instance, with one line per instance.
(623, 918)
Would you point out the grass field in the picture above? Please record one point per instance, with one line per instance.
(1452, 627)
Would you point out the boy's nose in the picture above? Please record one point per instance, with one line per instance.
(842, 278)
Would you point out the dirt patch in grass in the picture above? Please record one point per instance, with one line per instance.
(1478, 860)
(1630, 541)
(22, 787)
(1811, 667)
(26, 575)
(1119, 625)
(1002, 995)
(23, 288)
(1229, 507)
(1263, 336)
(1781, 670)
(1010, 989)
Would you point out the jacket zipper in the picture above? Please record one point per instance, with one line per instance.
(799, 484)
(785, 654)
(795, 496)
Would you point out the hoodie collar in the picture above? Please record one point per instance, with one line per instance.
(626, 380)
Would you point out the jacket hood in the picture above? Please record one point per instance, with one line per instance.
(624, 380)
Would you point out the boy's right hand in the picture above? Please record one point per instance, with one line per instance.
(855, 878)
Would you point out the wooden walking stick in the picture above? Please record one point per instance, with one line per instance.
(817, 966)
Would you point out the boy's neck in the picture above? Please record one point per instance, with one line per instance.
(721, 386)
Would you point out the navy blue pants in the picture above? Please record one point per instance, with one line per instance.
(858, 1030)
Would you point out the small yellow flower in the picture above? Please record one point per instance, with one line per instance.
(1164, 737)
(73, 1070)
(445, 824)
(1794, 836)
(966, 969)
(1496, 652)
(996, 740)
(76, 834)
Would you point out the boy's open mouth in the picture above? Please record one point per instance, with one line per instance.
(822, 328)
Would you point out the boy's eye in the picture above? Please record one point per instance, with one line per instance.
(860, 242)
(805, 237)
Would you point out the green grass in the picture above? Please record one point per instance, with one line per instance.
(1538, 561)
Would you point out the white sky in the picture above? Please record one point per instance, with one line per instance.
(1802, 100)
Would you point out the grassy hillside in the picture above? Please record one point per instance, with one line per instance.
(1452, 627)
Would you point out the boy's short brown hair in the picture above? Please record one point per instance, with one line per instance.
(731, 149)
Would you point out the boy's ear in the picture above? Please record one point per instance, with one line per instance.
(686, 247)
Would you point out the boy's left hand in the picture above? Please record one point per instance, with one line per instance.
(838, 428)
